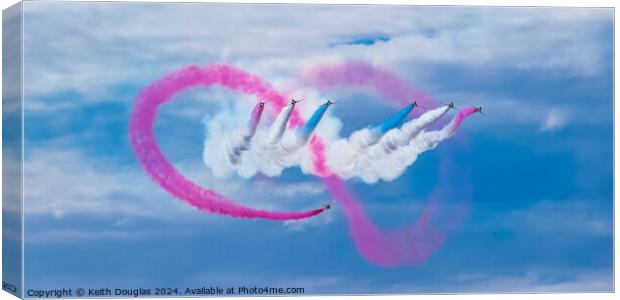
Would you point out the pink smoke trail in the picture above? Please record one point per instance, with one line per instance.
(414, 243)
(162, 171)
(411, 245)
(460, 117)
(358, 74)
(257, 112)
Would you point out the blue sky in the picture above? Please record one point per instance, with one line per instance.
(539, 163)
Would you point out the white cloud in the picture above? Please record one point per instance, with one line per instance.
(11, 170)
(297, 189)
(554, 120)
(501, 110)
(66, 50)
(535, 280)
(553, 217)
(62, 183)
(320, 220)
(83, 235)
(568, 217)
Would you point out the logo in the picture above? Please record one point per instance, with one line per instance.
(9, 287)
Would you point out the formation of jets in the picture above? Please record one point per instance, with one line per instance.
(414, 103)
(329, 102)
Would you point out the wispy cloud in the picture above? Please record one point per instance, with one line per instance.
(60, 236)
(320, 220)
(582, 218)
(535, 281)
(554, 120)
(499, 38)
(297, 189)
(64, 182)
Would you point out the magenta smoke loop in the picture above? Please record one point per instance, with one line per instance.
(162, 171)
(413, 243)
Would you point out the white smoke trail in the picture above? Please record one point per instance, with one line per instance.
(237, 143)
(362, 155)
(278, 127)
(272, 158)
(400, 137)
(271, 149)
(240, 139)
(392, 165)
(362, 152)
(218, 142)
